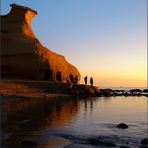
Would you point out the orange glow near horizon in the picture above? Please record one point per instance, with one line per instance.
(117, 78)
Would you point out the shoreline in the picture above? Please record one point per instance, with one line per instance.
(24, 110)
(46, 89)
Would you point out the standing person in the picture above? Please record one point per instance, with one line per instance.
(69, 83)
(76, 79)
(85, 80)
(71, 79)
(91, 81)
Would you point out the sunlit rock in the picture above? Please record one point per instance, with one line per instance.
(22, 54)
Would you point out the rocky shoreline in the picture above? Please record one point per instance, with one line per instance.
(40, 89)
(25, 95)
(87, 91)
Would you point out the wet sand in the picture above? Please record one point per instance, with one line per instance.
(19, 96)
(33, 116)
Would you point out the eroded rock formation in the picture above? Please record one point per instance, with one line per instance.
(22, 54)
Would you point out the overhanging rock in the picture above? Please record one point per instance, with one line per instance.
(22, 54)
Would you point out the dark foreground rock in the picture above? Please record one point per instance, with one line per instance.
(84, 90)
(101, 142)
(122, 125)
(124, 146)
(144, 141)
(80, 146)
(29, 143)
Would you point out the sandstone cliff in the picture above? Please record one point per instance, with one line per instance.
(22, 54)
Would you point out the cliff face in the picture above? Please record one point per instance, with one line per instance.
(22, 54)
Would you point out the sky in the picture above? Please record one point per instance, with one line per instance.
(104, 39)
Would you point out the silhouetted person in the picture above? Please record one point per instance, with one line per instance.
(91, 81)
(71, 78)
(69, 83)
(85, 80)
(76, 79)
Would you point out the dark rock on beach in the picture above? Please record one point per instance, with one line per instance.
(101, 142)
(105, 92)
(124, 146)
(80, 146)
(84, 90)
(29, 143)
(144, 141)
(122, 125)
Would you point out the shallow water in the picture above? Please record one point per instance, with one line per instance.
(75, 121)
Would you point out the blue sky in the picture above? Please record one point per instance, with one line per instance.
(106, 39)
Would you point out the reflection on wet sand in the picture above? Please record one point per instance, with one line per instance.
(26, 116)
(89, 102)
(60, 121)
(60, 112)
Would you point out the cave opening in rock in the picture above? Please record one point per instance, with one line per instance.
(48, 75)
(59, 76)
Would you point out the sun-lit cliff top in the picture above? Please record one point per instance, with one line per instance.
(14, 5)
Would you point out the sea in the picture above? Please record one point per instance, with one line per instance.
(122, 88)
(72, 122)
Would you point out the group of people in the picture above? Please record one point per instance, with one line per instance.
(74, 80)
(91, 81)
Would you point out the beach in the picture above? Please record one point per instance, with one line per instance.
(35, 117)
(16, 95)
(74, 74)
